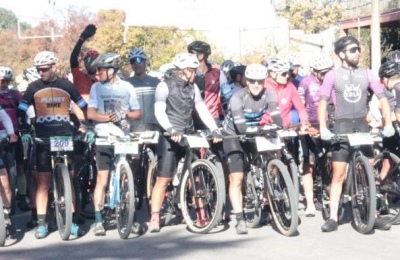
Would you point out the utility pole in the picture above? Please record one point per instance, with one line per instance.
(375, 37)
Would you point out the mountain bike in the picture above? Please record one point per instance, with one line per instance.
(267, 181)
(85, 182)
(147, 143)
(119, 202)
(388, 188)
(60, 192)
(197, 191)
(359, 187)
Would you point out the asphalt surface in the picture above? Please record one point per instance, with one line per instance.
(176, 242)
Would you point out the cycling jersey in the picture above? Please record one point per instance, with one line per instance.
(145, 89)
(287, 97)
(83, 83)
(209, 86)
(9, 100)
(51, 101)
(107, 98)
(309, 93)
(247, 110)
(176, 100)
(350, 89)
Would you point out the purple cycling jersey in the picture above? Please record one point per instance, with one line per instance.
(309, 92)
(349, 86)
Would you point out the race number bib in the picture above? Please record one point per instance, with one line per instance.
(358, 139)
(61, 143)
(268, 144)
(126, 148)
(197, 141)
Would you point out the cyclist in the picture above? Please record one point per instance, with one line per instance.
(246, 108)
(6, 131)
(236, 82)
(208, 81)
(295, 65)
(112, 104)
(348, 86)
(51, 97)
(176, 98)
(389, 72)
(309, 93)
(9, 100)
(145, 86)
(83, 79)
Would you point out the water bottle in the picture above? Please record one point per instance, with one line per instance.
(178, 173)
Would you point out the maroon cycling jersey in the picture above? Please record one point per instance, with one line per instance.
(9, 100)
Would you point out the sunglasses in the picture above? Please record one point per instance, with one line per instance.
(354, 49)
(102, 69)
(43, 69)
(285, 74)
(323, 73)
(253, 81)
(136, 60)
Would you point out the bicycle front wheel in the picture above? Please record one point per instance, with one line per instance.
(202, 210)
(3, 233)
(363, 195)
(62, 200)
(389, 191)
(126, 207)
(282, 199)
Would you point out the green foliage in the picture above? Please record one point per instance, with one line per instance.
(312, 16)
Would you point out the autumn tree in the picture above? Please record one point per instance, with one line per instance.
(312, 16)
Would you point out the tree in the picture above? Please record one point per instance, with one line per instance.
(312, 16)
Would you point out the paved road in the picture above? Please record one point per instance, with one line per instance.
(176, 242)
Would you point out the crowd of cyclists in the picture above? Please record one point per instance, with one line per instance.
(191, 94)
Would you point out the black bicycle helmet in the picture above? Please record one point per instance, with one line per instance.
(344, 42)
(237, 70)
(389, 69)
(199, 46)
(226, 65)
(108, 60)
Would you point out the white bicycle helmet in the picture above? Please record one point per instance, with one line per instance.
(44, 58)
(31, 74)
(294, 59)
(136, 52)
(321, 62)
(185, 60)
(6, 72)
(256, 72)
(278, 65)
(394, 56)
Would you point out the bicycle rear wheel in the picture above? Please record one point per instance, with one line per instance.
(282, 199)
(84, 188)
(363, 195)
(389, 191)
(62, 200)
(202, 211)
(125, 209)
(3, 233)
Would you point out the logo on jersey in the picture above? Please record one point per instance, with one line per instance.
(352, 94)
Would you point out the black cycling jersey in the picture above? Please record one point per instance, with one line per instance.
(246, 110)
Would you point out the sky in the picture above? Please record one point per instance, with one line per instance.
(235, 25)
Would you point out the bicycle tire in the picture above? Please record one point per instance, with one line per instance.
(392, 199)
(151, 180)
(251, 206)
(125, 209)
(212, 195)
(363, 195)
(283, 204)
(294, 174)
(62, 200)
(3, 232)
